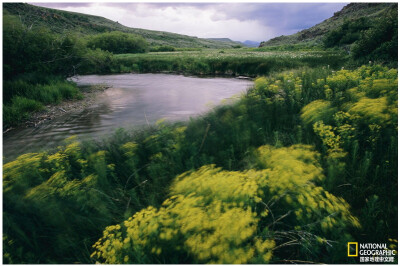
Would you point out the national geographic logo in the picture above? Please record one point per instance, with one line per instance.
(372, 252)
(352, 249)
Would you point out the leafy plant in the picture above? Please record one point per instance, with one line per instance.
(118, 43)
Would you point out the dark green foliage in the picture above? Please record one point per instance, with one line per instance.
(230, 62)
(21, 98)
(347, 33)
(368, 39)
(96, 61)
(28, 50)
(36, 63)
(162, 48)
(118, 43)
(380, 42)
(292, 47)
(19, 109)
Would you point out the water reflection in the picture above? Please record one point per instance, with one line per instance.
(133, 100)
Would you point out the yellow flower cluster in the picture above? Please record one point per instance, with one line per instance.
(293, 173)
(129, 149)
(23, 172)
(276, 89)
(214, 216)
(372, 110)
(318, 110)
(208, 218)
(328, 137)
(363, 98)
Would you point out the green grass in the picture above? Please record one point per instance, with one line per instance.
(19, 110)
(23, 98)
(244, 61)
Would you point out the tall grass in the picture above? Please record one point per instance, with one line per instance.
(19, 110)
(21, 98)
(225, 62)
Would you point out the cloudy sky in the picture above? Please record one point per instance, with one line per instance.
(237, 21)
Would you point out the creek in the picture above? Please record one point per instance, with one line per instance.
(133, 101)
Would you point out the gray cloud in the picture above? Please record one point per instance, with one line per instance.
(283, 16)
(62, 5)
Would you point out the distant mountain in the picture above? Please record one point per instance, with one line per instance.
(350, 12)
(251, 43)
(226, 40)
(61, 22)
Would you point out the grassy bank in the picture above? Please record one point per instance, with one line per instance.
(303, 163)
(22, 98)
(249, 62)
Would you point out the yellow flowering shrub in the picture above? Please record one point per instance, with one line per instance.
(23, 173)
(342, 80)
(367, 102)
(372, 110)
(208, 229)
(129, 149)
(292, 177)
(217, 216)
(331, 141)
(316, 111)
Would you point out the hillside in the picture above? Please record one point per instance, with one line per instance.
(315, 34)
(63, 21)
(222, 40)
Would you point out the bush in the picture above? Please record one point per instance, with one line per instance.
(162, 48)
(96, 61)
(347, 33)
(380, 42)
(118, 43)
(37, 50)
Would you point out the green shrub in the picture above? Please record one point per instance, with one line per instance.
(349, 32)
(38, 50)
(118, 43)
(380, 42)
(96, 61)
(162, 48)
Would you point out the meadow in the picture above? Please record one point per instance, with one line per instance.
(234, 62)
(305, 162)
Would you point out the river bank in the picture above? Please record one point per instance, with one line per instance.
(52, 111)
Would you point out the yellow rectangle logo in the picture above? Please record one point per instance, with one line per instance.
(352, 249)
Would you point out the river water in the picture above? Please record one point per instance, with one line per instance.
(134, 100)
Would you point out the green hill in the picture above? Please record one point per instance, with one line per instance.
(350, 12)
(63, 21)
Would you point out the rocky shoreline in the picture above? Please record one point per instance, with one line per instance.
(56, 110)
